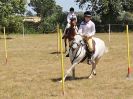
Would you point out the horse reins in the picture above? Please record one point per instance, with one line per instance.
(76, 56)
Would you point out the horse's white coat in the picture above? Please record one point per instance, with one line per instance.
(79, 54)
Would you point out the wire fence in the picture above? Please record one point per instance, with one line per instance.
(43, 30)
(113, 28)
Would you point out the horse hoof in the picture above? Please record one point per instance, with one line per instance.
(60, 81)
(90, 77)
(94, 74)
(67, 55)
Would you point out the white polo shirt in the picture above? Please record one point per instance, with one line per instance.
(71, 15)
(87, 29)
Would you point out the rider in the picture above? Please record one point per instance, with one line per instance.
(71, 15)
(73, 25)
(87, 30)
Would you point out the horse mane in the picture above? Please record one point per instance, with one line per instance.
(70, 33)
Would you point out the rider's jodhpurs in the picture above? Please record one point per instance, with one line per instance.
(90, 44)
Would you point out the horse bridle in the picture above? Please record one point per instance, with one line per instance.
(79, 45)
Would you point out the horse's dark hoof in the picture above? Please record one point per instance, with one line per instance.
(94, 74)
(67, 55)
(63, 37)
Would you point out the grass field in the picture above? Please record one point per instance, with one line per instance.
(33, 69)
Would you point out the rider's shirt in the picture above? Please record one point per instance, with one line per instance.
(71, 15)
(87, 28)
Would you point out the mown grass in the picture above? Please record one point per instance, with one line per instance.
(33, 70)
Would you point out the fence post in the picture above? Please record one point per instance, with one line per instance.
(109, 33)
(23, 31)
(5, 43)
(58, 39)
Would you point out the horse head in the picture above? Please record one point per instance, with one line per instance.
(72, 30)
(77, 42)
(73, 22)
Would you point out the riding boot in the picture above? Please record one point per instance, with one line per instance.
(89, 57)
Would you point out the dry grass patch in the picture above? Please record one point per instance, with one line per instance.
(32, 70)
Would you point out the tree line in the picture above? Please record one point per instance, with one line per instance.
(104, 12)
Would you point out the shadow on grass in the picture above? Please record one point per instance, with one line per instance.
(8, 38)
(57, 53)
(69, 78)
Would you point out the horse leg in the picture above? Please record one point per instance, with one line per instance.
(92, 71)
(69, 70)
(96, 62)
(73, 72)
(65, 41)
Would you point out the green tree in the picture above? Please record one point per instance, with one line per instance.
(10, 8)
(15, 24)
(29, 13)
(126, 17)
(128, 5)
(43, 8)
(107, 9)
(49, 12)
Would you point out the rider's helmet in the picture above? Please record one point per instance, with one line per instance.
(71, 9)
(87, 13)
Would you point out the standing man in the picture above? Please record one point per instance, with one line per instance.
(87, 30)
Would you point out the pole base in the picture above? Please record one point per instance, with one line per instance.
(6, 61)
(129, 77)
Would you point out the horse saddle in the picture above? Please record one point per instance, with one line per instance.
(88, 52)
